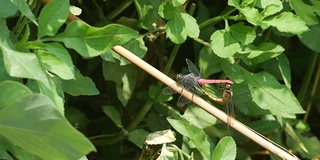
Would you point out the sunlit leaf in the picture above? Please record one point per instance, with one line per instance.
(165, 154)
(25, 10)
(243, 34)
(223, 44)
(92, 41)
(7, 9)
(304, 11)
(288, 22)
(198, 117)
(226, 149)
(35, 120)
(10, 91)
(201, 140)
(268, 94)
(52, 16)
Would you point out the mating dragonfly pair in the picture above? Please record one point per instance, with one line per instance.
(193, 80)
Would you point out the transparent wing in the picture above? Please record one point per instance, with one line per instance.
(192, 68)
(168, 91)
(182, 101)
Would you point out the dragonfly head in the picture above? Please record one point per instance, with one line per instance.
(179, 77)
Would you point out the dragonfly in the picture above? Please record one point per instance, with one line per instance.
(191, 82)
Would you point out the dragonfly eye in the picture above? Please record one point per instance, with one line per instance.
(179, 77)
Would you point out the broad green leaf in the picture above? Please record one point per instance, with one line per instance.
(113, 114)
(226, 149)
(288, 22)
(198, 117)
(243, 34)
(268, 94)
(138, 136)
(55, 65)
(209, 62)
(125, 78)
(165, 154)
(91, 41)
(136, 46)
(8, 9)
(4, 29)
(175, 29)
(22, 65)
(167, 10)
(253, 16)
(80, 86)
(179, 25)
(61, 53)
(261, 53)
(311, 38)
(25, 10)
(234, 3)
(34, 120)
(284, 67)
(177, 3)
(11, 91)
(316, 5)
(3, 73)
(201, 141)
(270, 7)
(191, 25)
(223, 44)
(52, 17)
(148, 13)
(52, 93)
(304, 11)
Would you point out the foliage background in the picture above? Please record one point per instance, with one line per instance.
(66, 93)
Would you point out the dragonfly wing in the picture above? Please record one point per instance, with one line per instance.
(192, 68)
(168, 91)
(182, 101)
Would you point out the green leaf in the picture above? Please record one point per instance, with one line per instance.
(253, 16)
(136, 46)
(55, 65)
(61, 53)
(268, 94)
(34, 120)
(113, 114)
(22, 65)
(201, 140)
(304, 11)
(125, 78)
(80, 86)
(270, 7)
(209, 62)
(10, 91)
(179, 25)
(234, 3)
(25, 10)
(198, 117)
(165, 154)
(4, 30)
(138, 136)
(177, 3)
(91, 41)
(261, 53)
(243, 34)
(284, 67)
(148, 13)
(288, 22)
(8, 9)
(311, 38)
(223, 44)
(316, 5)
(52, 17)
(160, 137)
(226, 149)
